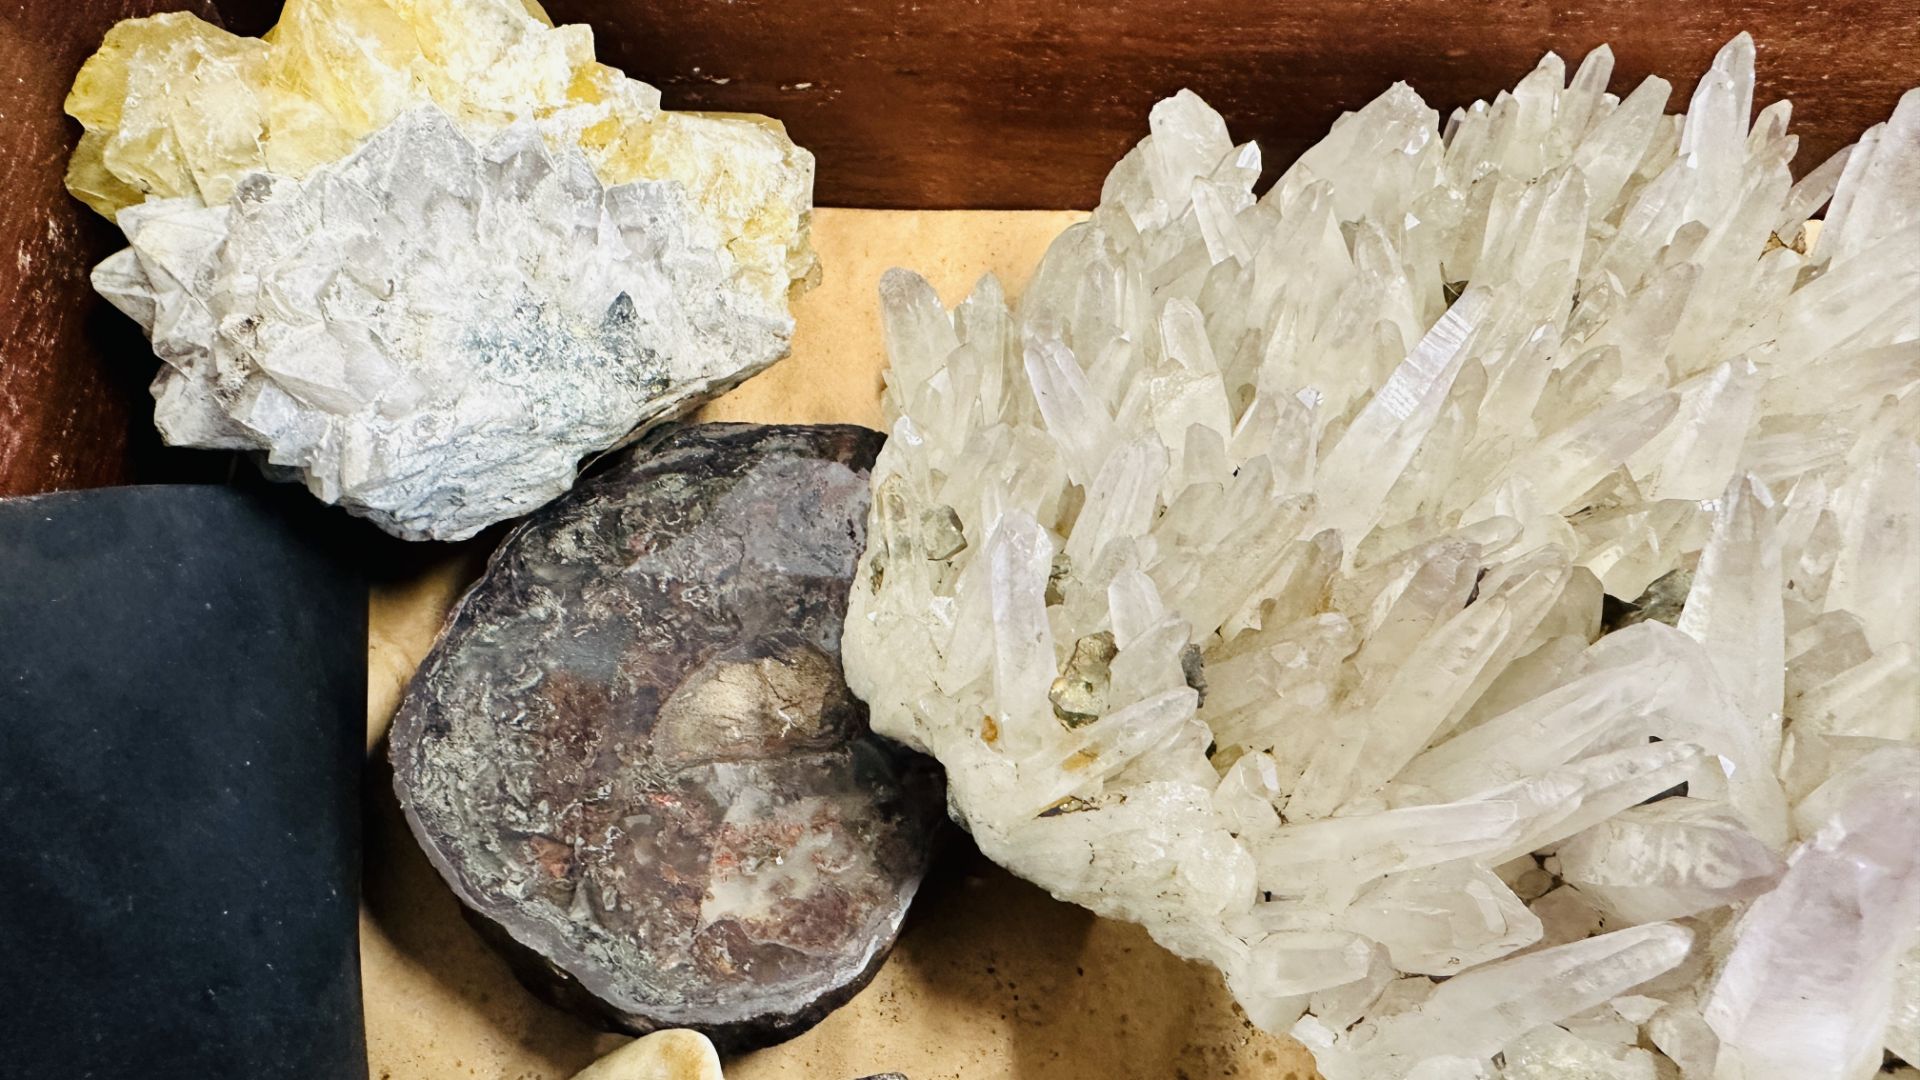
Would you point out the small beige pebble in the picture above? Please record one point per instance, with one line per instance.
(663, 1055)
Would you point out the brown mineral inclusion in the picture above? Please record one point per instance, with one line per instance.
(633, 754)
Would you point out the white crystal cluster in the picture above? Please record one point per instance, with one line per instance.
(433, 333)
(1250, 578)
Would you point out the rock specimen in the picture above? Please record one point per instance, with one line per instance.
(426, 257)
(632, 752)
(434, 348)
(1248, 577)
(664, 1055)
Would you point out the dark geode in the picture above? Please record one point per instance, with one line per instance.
(633, 753)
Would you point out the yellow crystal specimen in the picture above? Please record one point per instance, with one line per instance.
(174, 106)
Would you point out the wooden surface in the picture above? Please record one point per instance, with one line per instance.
(992, 980)
(74, 410)
(907, 103)
(1027, 103)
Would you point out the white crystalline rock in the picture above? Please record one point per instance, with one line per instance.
(1903, 1023)
(1809, 987)
(1552, 1053)
(1669, 859)
(1248, 577)
(433, 333)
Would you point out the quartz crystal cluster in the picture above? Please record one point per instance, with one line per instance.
(426, 255)
(1469, 593)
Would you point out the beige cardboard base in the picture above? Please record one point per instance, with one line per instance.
(992, 980)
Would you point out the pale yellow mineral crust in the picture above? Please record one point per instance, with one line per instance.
(174, 106)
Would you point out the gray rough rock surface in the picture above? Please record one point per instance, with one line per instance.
(633, 754)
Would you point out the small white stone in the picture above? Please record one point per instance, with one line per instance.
(663, 1055)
